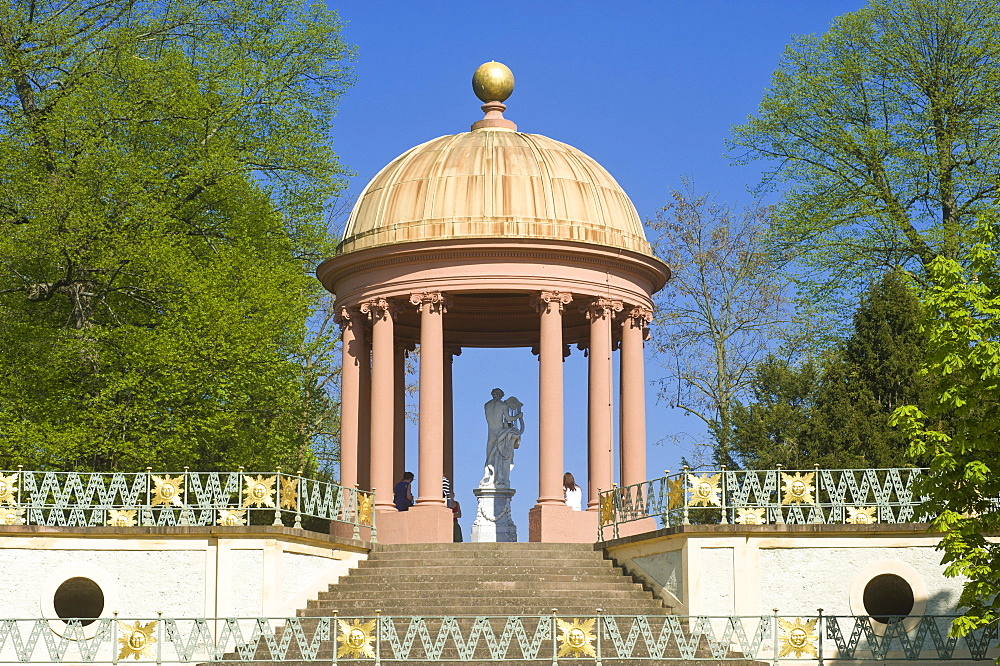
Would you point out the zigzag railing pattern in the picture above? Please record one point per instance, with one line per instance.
(159, 499)
(760, 497)
(540, 639)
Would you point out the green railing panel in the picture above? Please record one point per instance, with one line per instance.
(761, 497)
(186, 498)
(548, 639)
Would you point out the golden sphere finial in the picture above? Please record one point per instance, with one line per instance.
(493, 82)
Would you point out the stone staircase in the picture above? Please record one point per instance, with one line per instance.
(489, 579)
(486, 579)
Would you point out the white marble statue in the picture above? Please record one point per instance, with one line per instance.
(505, 424)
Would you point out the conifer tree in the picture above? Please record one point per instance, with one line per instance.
(835, 412)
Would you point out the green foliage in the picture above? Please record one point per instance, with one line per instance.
(885, 130)
(835, 411)
(164, 169)
(958, 429)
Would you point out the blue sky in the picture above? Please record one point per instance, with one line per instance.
(648, 89)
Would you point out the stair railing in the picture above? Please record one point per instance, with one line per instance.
(185, 498)
(761, 497)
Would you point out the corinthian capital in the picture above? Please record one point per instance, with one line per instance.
(343, 317)
(600, 308)
(639, 315)
(435, 300)
(557, 299)
(379, 308)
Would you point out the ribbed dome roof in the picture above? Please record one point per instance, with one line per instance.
(494, 183)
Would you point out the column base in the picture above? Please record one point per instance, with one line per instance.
(346, 531)
(421, 524)
(557, 523)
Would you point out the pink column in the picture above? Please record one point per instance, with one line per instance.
(599, 431)
(431, 399)
(350, 395)
(364, 408)
(632, 418)
(382, 311)
(550, 396)
(399, 415)
(449, 412)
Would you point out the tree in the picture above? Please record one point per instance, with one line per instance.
(719, 312)
(164, 170)
(885, 129)
(958, 429)
(835, 411)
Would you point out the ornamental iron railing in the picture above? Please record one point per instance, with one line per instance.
(597, 639)
(761, 497)
(158, 499)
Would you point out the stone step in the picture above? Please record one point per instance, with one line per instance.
(487, 608)
(431, 596)
(486, 561)
(410, 567)
(439, 582)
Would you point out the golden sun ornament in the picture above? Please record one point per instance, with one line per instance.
(11, 516)
(798, 637)
(289, 493)
(121, 518)
(705, 489)
(750, 516)
(675, 493)
(231, 517)
(167, 490)
(259, 491)
(860, 516)
(356, 639)
(607, 508)
(365, 508)
(8, 489)
(576, 639)
(137, 640)
(798, 488)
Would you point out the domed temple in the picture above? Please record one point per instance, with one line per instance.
(490, 238)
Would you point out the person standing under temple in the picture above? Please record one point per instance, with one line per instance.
(574, 496)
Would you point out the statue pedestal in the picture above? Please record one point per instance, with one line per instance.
(493, 520)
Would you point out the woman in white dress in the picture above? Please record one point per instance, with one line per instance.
(574, 496)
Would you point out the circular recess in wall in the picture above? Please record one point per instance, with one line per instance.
(78, 597)
(886, 589)
(78, 590)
